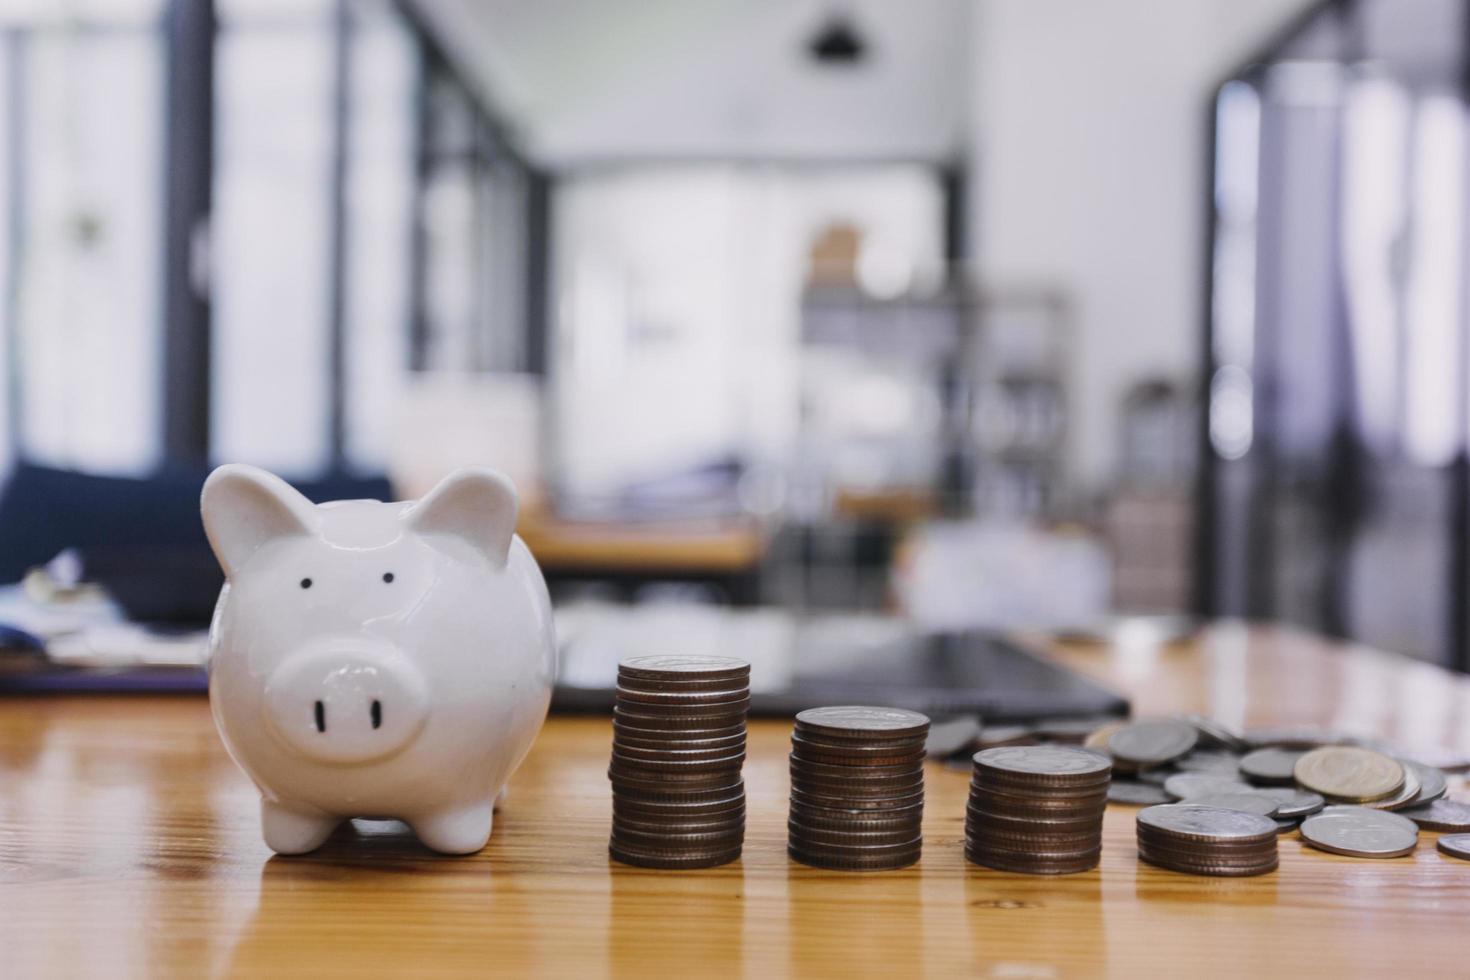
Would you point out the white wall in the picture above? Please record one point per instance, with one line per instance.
(1088, 141)
(714, 79)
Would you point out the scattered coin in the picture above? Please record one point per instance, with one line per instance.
(1215, 761)
(1246, 801)
(1293, 804)
(1132, 792)
(1271, 766)
(1098, 740)
(1432, 782)
(1289, 737)
(1350, 773)
(1444, 760)
(1455, 845)
(1442, 815)
(1359, 831)
(1214, 735)
(1153, 743)
(1407, 795)
(1183, 785)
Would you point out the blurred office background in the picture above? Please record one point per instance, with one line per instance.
(990, 313)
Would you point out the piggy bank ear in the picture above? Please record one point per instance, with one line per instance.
(244, 508)
(470, 514)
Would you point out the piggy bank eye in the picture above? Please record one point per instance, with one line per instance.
(306, 583)
(388, 577)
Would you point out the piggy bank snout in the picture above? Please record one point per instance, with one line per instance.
(346, 706)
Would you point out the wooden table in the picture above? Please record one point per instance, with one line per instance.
(129, 846)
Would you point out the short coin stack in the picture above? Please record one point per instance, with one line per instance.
(857, 788)
(1037, 809)
(678, 746)
(1207, 840)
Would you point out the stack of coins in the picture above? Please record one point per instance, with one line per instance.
(1207, 840)
(1037, 809)
(678, 745)
(857, 788)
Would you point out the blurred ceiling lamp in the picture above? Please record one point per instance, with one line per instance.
(838, 43)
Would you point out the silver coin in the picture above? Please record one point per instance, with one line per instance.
(1271, 765)
(1360, 831)
(1212, 761)
(1135, 793)
(1209, 824)
(1043, 760)
(659, 665)
(1153, 743)
(1290, 736)
(1247, 801)
(1446, 816)
(1432, 782)
(1294, 803)
(1183, 785)
(862, 719)
(1407, 795)
(1212, 733)
(1455, 845)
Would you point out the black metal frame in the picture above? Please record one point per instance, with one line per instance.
(1344, 458)
(189, 167)
(190, 28)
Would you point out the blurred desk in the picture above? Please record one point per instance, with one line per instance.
(129, 845)
(727, 553)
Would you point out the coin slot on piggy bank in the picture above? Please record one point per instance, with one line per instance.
(370, 659)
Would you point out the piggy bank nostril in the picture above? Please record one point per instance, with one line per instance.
(377, 712)
(321, 717)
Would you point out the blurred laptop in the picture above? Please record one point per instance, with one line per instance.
(799, 662)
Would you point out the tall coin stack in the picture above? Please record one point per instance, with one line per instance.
(857, 788)
(1037, 809)
(678, 745)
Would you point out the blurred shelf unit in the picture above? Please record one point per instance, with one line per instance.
(1149, 517)
(956, 398)
(1018, 411)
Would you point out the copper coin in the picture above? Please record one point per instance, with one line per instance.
(853, 862)
(854, 803)
(671, 859)
(1349, 773)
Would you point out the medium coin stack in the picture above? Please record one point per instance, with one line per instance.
(678, 745)
(1037, 809)
(1207, 840)
(857, 788)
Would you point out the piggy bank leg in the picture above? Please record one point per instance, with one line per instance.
(458, 831)
(294, 831)
(500, 797)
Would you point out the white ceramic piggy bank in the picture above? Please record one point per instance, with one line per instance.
(367, 659)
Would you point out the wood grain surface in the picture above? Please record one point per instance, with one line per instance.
(130, 846)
